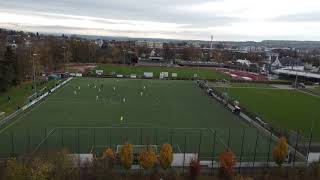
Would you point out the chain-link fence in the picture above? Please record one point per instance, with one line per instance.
(301, 143)
(249, 144)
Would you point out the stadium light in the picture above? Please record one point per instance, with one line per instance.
(34, 74)
(64, 57)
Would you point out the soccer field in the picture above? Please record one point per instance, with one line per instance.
(288, 109)
(91, 114)
(182, 72)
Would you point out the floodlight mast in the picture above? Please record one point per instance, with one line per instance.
(34, 74)
(211, 43)
(64, 57)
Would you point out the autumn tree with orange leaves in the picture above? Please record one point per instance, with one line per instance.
(126, 156)
(109, 154)
(280, 151)
(110, 157)
(227, 162)
(147, 159)
(166, 156)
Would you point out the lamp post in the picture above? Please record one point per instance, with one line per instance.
(124, 56)
(34, 74)
(64, 57)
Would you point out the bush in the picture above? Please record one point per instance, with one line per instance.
(194, 168)
(238, 177)
(61, 165)
(315, 169)
(227, 163)
(173, 174)
(15, 171)
(41, 169)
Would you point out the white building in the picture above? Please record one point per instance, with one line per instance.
(243, 62)
(149, 44)
(154, 57)
(99, 42)
(141, 43)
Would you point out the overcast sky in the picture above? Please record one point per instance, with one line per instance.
(235, 20)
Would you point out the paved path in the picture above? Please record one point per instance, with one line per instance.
(308, 92)
(282, 86)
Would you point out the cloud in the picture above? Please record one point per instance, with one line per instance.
(302, 17)
(183, 19)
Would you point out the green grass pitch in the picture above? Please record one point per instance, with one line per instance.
(150, 109)
(288, 109)
(183, 72)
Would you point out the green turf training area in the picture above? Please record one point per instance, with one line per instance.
(19, 95)
(182, 72)
(288, 109)
(91, 114)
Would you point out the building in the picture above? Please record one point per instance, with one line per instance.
(301, 75)
(141, 43)
(287, 63)
(149, 44)
(154, 56)
(13, 45)
(271, 56)
(99, 42)
(243, 62)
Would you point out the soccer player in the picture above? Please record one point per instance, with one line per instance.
(97, 98)
(75, 92)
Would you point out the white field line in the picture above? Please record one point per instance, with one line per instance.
(219, 138)
(43, 140)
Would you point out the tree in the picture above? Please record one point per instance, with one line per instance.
(61, 165)
(126, 155)
(227, 162)
(191, 54)
(15, 171)
(109, 156)
(8, 69)
(168, 52)
(147, 159)
(194, 168)
(24, 63)
(280, 151)
(166, 156)
(116, 55)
